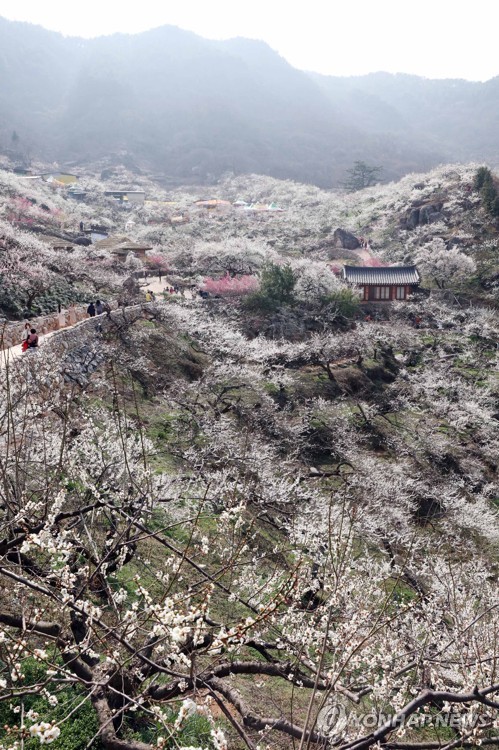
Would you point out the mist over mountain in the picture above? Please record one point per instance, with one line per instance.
(453, 115)
(194, 109)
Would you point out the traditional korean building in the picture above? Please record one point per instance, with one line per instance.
(121, 246)
(383, 284)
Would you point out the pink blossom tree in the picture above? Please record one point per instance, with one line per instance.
(231, 286)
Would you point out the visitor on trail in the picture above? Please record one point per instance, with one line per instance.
(32, 339)
(106, 307)
(148, 296)
(99, 307)
(91, 310)
(153, 296)
(25, 337)
(81, 226)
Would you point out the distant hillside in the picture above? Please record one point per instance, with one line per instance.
(193, 108)
(457, 117)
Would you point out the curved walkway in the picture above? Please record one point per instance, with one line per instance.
(7, 356)
(14, 352)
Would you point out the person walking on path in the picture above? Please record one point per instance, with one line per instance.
(99, 307)
(91, 310)
(81, 226)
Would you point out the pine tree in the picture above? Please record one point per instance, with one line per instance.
(361, 175)
(482, 178)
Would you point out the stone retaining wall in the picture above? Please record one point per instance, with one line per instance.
(81, 349)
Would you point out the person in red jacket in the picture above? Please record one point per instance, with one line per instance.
(26, 333)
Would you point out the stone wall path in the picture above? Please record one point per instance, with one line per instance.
(10, 354)
(14, 352)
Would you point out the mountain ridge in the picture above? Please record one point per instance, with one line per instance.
(198, 108)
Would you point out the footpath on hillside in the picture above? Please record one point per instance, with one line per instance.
(12, 353)
(7, 356)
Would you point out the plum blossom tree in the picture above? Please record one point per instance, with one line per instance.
(231, 286)
(316, 281)
(25, 263)
(30, 267)
(133, 263)
(235, 256)
(95, 269)
(444, 266)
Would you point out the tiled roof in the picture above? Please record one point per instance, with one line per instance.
(120, 244)
(56, 242)
(384, 275)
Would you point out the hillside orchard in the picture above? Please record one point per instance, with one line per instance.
(257, 520)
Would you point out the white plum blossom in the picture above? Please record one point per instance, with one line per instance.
(445, 266)
(45, 732)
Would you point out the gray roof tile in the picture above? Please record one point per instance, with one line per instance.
(384, 275)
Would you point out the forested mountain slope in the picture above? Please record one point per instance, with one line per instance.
(193, 108)
(197, 109)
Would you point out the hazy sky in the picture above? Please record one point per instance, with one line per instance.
(432, 38)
